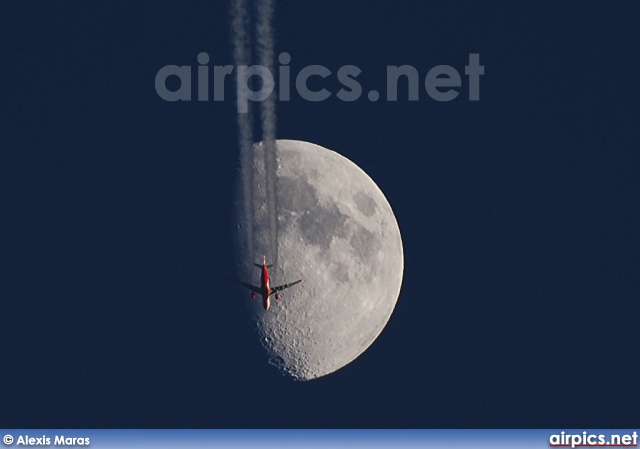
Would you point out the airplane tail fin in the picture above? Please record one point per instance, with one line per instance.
(260, 265)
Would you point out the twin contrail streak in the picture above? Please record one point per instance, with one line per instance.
(264, 35)
(242, 56)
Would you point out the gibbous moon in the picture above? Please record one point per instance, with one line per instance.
(335, 229)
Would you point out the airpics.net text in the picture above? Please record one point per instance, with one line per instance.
(440, 82)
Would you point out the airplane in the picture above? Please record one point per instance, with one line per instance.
(265, 290)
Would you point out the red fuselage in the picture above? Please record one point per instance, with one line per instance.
(266, 288)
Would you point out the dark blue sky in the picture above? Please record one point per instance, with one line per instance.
(518, 213)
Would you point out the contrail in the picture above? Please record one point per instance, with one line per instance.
(265, 39)
(264, 33)
(241, 56)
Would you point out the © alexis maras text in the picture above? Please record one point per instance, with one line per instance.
(58, 440)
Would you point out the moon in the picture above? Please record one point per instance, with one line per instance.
(336, 229)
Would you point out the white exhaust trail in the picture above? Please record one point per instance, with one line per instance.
(242, 56)
(264, 33)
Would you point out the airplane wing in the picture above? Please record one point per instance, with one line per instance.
(249, 286)
(282, 287)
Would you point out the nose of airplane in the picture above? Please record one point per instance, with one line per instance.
(266, 304)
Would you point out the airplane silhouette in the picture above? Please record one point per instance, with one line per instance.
(265, 290)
